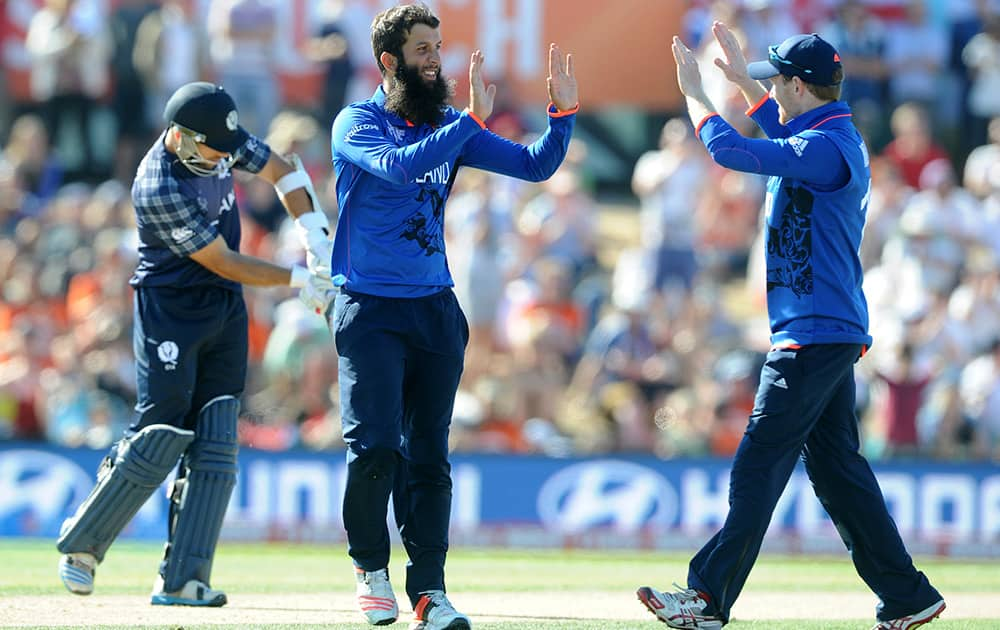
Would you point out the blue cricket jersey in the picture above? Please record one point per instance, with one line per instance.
(393, 180)
(817, 200)
(178, 213)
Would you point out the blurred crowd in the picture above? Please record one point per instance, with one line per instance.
(631, 325)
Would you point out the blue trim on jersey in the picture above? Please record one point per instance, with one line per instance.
(393, 180)
(817, 200)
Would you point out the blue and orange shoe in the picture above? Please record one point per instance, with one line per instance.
(434, 612)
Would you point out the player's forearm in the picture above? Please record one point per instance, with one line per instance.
(752, 91)
(252, 271)
(297, 202)
(699, 106)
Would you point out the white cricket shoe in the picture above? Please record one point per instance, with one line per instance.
(376, 601)
(684, 608)
(194, 593)
(434, 612)
(76, 570)
(915, 620)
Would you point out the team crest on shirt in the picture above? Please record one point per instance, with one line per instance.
(202, 204)
(168, 352)
(798, 144)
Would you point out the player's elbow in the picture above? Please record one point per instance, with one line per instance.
(735, 159)
(219, 259)
(539, 173)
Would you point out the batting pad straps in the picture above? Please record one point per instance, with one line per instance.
(140, 465)
(292, 181)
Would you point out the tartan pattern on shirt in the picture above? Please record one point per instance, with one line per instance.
(173, 217)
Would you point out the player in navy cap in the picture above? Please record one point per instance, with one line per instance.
(809, 57)
(190, 340)
(818, 189)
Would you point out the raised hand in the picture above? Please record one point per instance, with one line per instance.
(562, 80)
(481, 96)
(688, 74)
(735, 64)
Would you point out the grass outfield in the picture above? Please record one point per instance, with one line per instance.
(308, 586)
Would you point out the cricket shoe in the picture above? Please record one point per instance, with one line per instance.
(194, 593)
(915, 620)
(434, 612)
(376, 600)
(684, 608)
(76, 570)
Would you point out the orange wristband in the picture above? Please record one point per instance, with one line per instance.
(555, 112)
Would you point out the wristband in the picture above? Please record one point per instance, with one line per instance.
(300, 276)
(291, 181)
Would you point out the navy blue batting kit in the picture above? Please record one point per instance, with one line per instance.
(190, 346)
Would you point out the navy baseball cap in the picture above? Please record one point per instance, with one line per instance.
(208, 111)
(809, 57)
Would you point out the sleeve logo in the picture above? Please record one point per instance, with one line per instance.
(181, 234)
(356, 129)
(798, 144)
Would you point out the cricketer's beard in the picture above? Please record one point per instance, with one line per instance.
(413, 99)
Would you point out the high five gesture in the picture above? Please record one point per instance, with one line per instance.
(562, 80)
(561, 84)
(481, 96)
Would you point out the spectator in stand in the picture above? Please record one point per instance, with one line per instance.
(170, 51)
(475, 239)
(912, 145)
(905, 386)
(35, 169)
(330, 47)
(129, 95)
(860, 38)
(974, 306)
(981, 58)
(67, 44)
(767, 21)
(561, 222)
(917, 54)
(624, 368)
(889, 196)
(726, 222)
(980, 391)
(243, 36)
(668, 182)
(982, 168)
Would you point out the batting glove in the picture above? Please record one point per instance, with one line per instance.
(317, 293)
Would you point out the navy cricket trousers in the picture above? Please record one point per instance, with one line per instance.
(190, 347)
(805, 408)
(400, 363)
